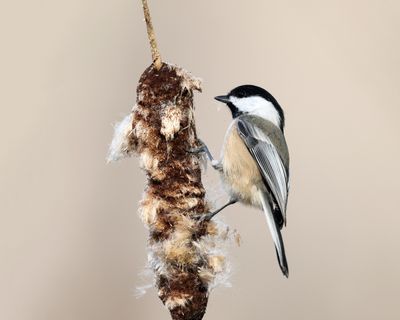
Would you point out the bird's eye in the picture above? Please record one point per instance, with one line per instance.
(240, 95)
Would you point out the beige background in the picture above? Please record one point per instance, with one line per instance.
(71, 244)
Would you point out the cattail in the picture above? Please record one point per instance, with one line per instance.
(184, 254)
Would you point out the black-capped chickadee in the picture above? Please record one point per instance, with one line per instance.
(254, 163)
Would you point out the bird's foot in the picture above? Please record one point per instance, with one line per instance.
(217, 165)
(200, 149)
(204, 217)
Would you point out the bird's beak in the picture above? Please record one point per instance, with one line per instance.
(224, 99)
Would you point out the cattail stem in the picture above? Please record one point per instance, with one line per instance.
(152, 37)
(184, 252)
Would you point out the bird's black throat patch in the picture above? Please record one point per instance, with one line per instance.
(235, 111)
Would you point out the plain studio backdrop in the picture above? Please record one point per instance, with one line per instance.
(71, 244)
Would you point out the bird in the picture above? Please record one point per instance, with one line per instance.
(254, 164)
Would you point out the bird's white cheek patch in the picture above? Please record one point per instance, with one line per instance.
(258, 106)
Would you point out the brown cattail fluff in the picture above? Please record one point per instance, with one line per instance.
(184, 254)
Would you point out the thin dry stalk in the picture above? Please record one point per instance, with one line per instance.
(152, 37)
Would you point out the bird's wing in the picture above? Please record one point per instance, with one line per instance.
(262, 146)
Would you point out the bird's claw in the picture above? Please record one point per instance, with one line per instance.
(203, 217)
(196, 150)
(200, 149)
(216, 165)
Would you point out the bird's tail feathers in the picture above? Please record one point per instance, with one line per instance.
(275, 233)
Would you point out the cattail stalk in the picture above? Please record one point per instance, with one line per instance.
(152, 37)
(184, 254)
